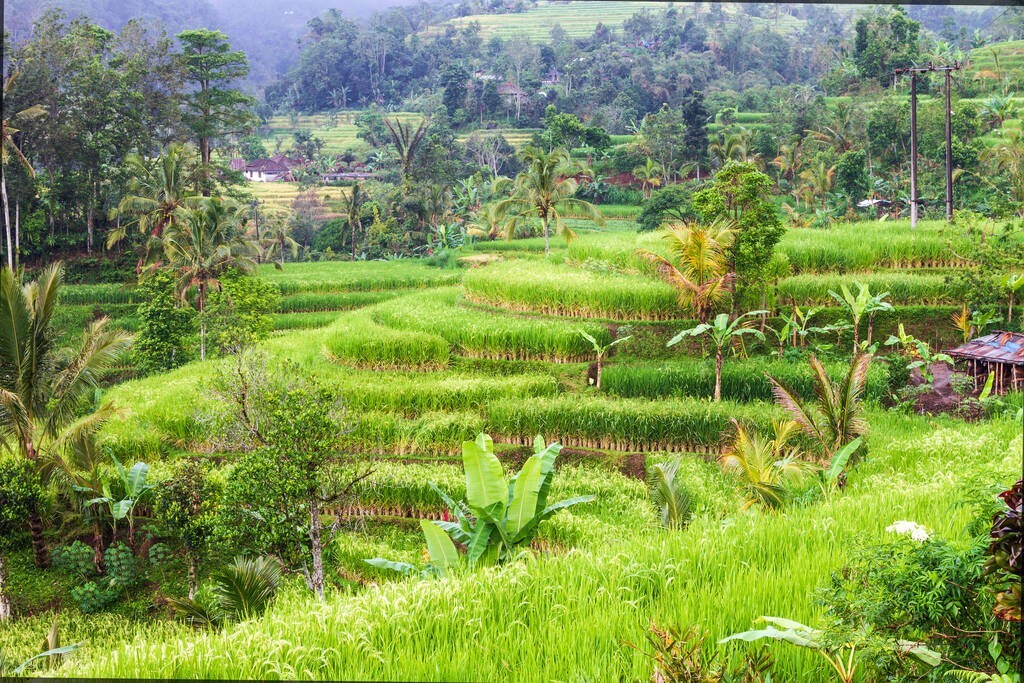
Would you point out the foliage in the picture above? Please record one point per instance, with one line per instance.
(499, 518)
(672, 203)
(669, 495)
(44, 394)
(740, 193)
(1005, 553)
(134, 486)
(766, 467)
(682, 658)
(722, 332)
(240, 312)
(241, 590)
(837, 419)
(699, 267)
(162, 340)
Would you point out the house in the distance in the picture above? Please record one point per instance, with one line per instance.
(264, 170)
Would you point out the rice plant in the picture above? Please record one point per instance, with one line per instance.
(626, 424)
(358, 340)
(742, 380)
(480, 334)
(539, 287)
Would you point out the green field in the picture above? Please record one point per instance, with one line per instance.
(425, 358)
(579, 19)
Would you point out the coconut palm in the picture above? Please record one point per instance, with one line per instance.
(1007, 156)
(838, 416)
(487, 222)
(722, 332)
(9, 149)
(649, 174)
(205, 239)
(45, 391)
(765, 466)
(818, 182)
(352, 203)
(544, 189)
(698, 266)
(158, 188)
(669, 495)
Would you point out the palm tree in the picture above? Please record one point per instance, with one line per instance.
(1007, 156)
(543, 190)
(406, 142)
(353, 210)
(765, 466)
(204, 241)
(838, 418)
(649, 175)
(699, 265)
(158, 188)
(722, 332)
(669, 495)
(818, 182)
(789, 161)
(45, 391)
(487, 222)
(8, 149)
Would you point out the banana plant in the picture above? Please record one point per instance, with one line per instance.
(722, 331)
(1011, 283)
(830, 478)
(498, 517)
(601, 350)
(864, 302)
(135, 487)
(842, 658)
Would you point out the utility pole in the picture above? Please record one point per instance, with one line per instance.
(914, 200)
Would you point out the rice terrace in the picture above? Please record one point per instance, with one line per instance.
(512, 340)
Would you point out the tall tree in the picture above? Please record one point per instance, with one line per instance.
(544, 189)
(214, 108)
(45, 395)
(204, 241)
(10, 150)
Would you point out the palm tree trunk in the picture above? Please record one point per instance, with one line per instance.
(39, 550)
(17, 234)
(7, 221)
(856, 333)
(1009, 313)
(353, 240)
(5, 602)
(202, 323)
(547, 245)
(718, 374)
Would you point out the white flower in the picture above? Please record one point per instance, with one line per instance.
(912, 529)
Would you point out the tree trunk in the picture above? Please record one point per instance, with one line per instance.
(547, 245)
(202, 324)
(90, 227)
(871, 327)
(856, 334)
(316, 577)
(39, 551)
(7, 222)
(1009, 313)
(204, 154)
(17, 235)
(193, 575)
(718, 374)
(97, 545)
(599, 372)
(5, 602)
(353, 240)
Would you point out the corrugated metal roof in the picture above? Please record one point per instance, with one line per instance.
(1001, 347)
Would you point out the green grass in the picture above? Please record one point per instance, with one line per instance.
(311, 302)
(359, 340)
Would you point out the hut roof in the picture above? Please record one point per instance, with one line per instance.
(998, 347)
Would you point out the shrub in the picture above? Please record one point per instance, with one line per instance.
(91, 599)
(166, 326)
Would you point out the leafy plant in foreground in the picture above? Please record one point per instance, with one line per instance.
(765, 466)
(241, 590)
(498, 517)
(669, 495)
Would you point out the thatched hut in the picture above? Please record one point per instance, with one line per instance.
(1000, 353)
